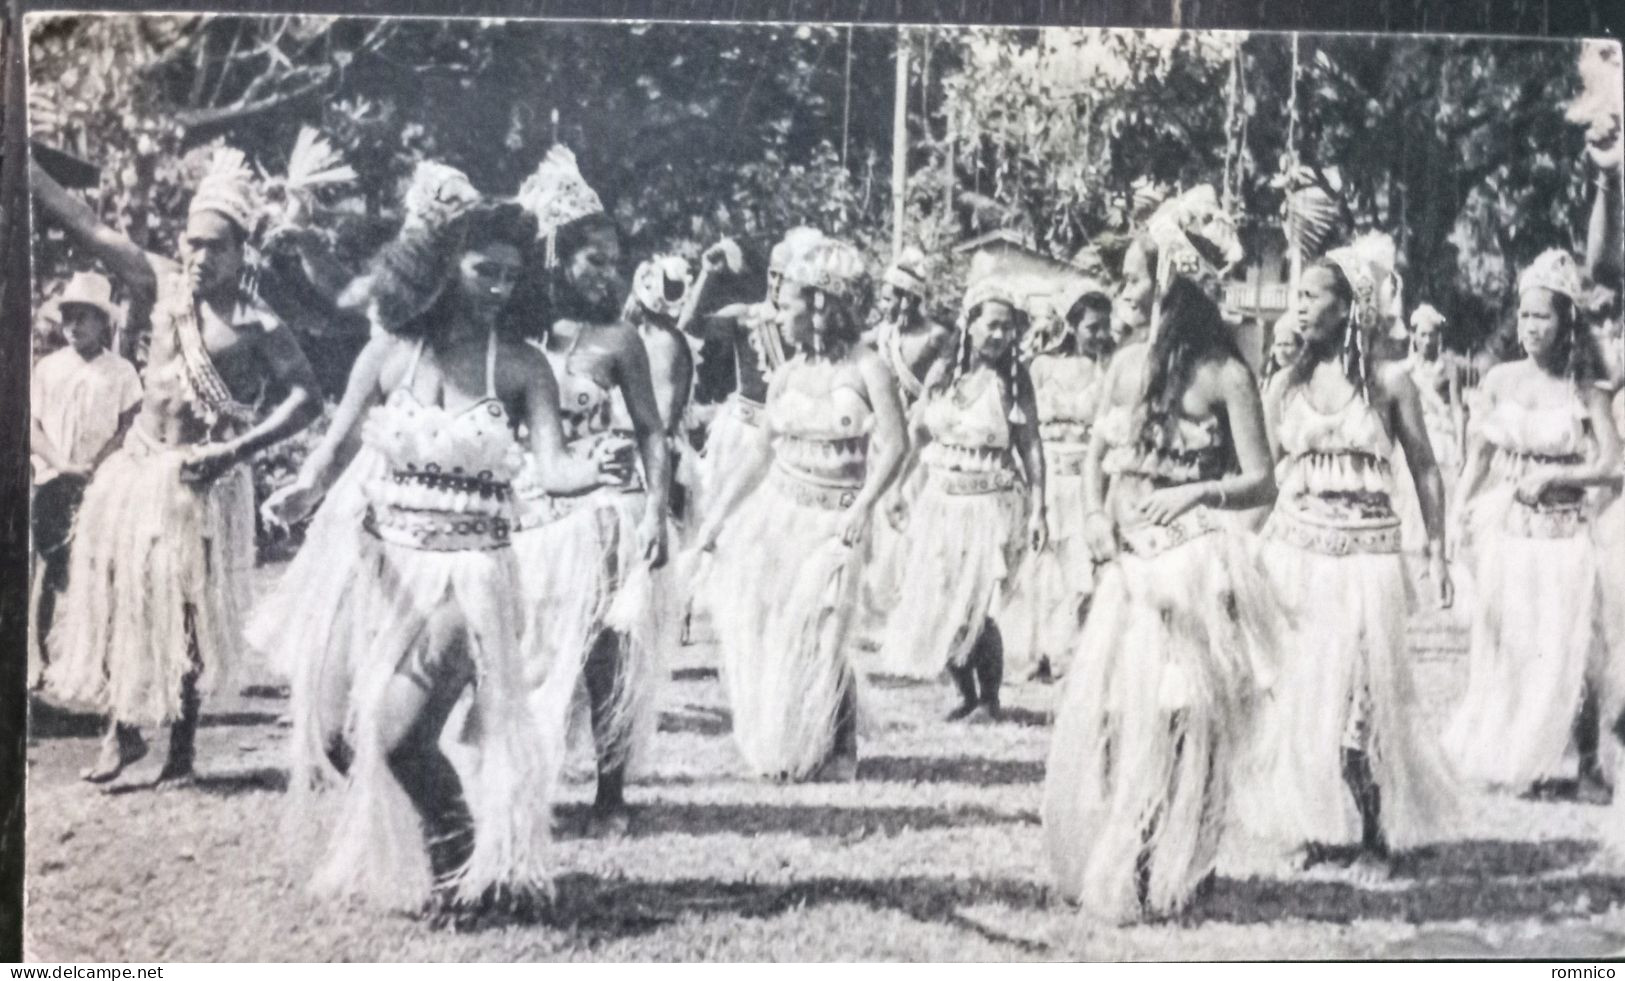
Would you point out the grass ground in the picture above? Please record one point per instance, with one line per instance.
(933, 854)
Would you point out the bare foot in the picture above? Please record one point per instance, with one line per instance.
(1370, 869)
(963, 710)
(988, 712)
(117, 753)
(177, 774)
(838, 769)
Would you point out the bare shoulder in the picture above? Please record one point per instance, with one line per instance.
(519, 362)
(1500, 376)
(1394, 379)
(1232, 374)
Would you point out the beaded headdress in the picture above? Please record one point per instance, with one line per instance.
(1195, 239)
(652, 284)
(1554, 270)
(557, 195)
(228, 189)
(831, 267)
(907, 272)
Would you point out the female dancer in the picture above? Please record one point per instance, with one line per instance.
(589, 560)
(1342, 758)
(964, 538)
(1067, 370)
(1431, 369)
(1544, 437)
(428, 587)
(1153, 709)
(785, 582)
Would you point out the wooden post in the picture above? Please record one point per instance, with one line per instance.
(899, 146)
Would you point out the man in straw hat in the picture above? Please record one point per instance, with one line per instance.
(82, 399)
(175, 504)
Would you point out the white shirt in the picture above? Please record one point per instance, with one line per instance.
(78, 403)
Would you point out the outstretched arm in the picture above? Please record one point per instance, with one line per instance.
(122, 257)
(285, 362)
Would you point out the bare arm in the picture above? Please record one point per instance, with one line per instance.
(126, 419)
(1405, 413)
(122, 257)
(286, 362)
(697, 318)
(1604, 241)
(48, 451)
(1028, 443)
(343, 437)
(637, 390)
(1603, 470)
(1254, 486)
(889, 441)
(558, 471)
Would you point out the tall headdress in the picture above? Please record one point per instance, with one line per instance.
(832, 269)
(1554, 270)
(907, 272)
(795, 242)
(1195, 239)
(661, 284)
(1368, 264)
(227, 189)
(1313, 206)
(557, 195)
(313, 164)
(1426, 315)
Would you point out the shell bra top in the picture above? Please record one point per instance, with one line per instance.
(1526, 439)
(823, 440)
(1345, 453)
(587, 411)
(1186, 450)
(970, 432)
(450, 480)
(1067, 389)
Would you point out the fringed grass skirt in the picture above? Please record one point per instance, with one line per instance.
(1151, 718)
(783, 590)
(1045, 612)
(156, 584)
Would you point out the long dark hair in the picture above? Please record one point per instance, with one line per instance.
(1191, 332)
(1013, 370)
(500, 223)
(1356, 353)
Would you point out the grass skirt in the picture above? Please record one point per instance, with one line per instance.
(1536, 643)
(407, 602)
(783, 590)
(956, 562)
(1344, 683)
(305, 627)
(582, 574)
(1149, 722)
(1044, 614)
(157, 567)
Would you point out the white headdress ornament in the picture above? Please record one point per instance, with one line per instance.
(557, 195)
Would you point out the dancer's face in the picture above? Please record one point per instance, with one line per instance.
(896, 304)
(1538, 322)
(795, 309)
(1094, 329)
(211, 252)
(487, 275)
(993, 332)
(1427, 340)
(1322, 313)
(593, 271)
(1138, 292)
(1285, 343)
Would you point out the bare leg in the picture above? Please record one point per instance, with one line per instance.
(604, 675)
(1371, 864)
(178, 764)
(964, 676)
(842, 764)
(987, 657)
(1592, 787)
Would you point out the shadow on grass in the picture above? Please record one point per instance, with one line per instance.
(694, 674)
(601, 910)
(48, 721)
(214, 720)
(808, 820)
(976, 771)
(698, 720)
(1482, 880)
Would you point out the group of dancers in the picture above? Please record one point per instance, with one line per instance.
(1093, 479)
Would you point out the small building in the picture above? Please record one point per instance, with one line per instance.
(1031, 273)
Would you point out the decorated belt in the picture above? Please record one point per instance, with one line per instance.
(1354, 538)
(483, 485)
(1064, 460)
(805, 492)
(1545, 520)
(437, 531)
(1149, 540)
(960, 482)
(748, 411)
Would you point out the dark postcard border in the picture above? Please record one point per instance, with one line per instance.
(1538, 18)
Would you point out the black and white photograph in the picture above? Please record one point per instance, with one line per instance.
(562, 490)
